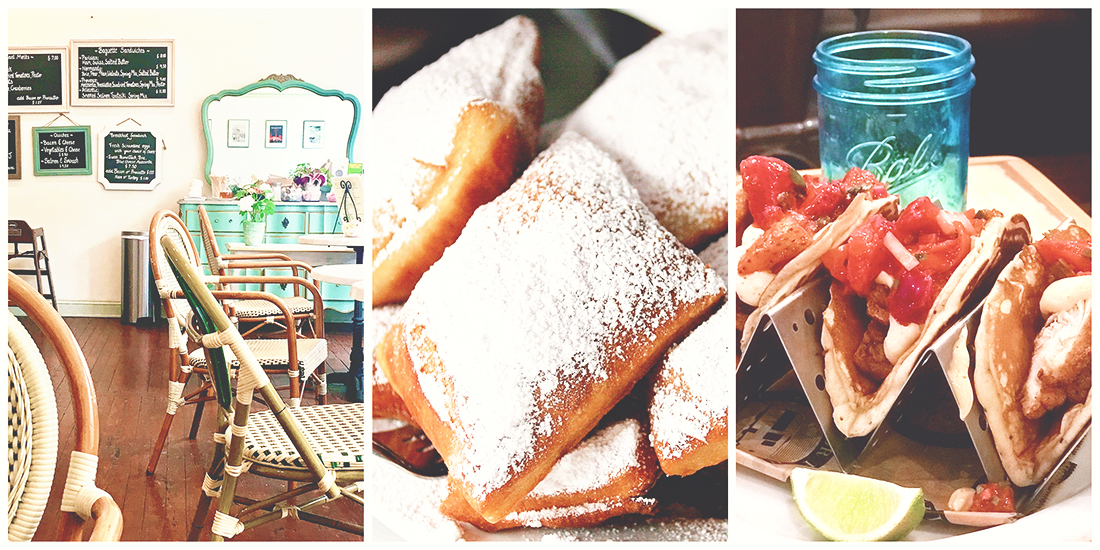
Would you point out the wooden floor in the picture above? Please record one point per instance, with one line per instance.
(129, 369)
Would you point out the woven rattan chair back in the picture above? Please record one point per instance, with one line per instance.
(33, 434)
(218, 332)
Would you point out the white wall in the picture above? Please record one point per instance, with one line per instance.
(215, 49)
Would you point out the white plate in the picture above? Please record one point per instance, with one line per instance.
(765, 511)
(405, 508)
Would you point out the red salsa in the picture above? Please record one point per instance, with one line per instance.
(791, 208)
(1077, 254)
(993, 497)
(919, 251)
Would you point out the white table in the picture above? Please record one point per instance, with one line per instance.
(358, 244)
(348, 274)
(312, 254)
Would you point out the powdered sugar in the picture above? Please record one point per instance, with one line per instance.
(544, 286)
(691, 395)
(597, 461)
(717, 256)
(415, 122)
(663, 115)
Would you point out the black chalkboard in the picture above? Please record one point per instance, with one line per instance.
(14, 149)
(62, 150)
(122, 73)
(129, 157)
(36, 80)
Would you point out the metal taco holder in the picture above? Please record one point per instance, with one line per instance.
(788, 341)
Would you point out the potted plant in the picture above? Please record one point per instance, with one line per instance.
(311, 180)
(256, 204)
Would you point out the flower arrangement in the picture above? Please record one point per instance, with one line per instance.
(304, 175)
(256, 201)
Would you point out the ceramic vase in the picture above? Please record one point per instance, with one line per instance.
(253, 232)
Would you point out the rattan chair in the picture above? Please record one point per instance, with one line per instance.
(318, 448)
(33, 428)
(257, 314)
(299, 358)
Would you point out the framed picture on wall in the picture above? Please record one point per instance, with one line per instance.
(313, 134)
(238, 133)
(276, 134)
(15, 149)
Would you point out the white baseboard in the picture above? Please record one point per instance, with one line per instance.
(83, 309)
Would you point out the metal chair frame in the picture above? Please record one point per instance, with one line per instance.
(176, 311)
(225, 264)
(330, 481)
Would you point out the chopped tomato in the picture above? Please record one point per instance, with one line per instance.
(862, 179)
(993, 497)
(767, 183)
(1077, 253)
(939, 243)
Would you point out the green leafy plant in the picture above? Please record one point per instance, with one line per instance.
(256, 200)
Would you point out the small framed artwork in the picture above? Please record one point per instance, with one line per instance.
(238, 133)
(276, 134)
(313, 134)
(15, 149)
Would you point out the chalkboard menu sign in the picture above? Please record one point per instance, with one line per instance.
(122, 72)
(38, 79)
(62, 150)
(15, 149)
(128, 159)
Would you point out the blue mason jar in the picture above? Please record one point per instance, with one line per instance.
(897, 103)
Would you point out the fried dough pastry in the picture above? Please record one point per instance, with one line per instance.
(449, 139)
(662, 114)
(689, 413)
(557, 298)
(385, 403)
(603, 477)
(1008, 342)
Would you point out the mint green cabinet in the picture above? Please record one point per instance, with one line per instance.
(290, 221)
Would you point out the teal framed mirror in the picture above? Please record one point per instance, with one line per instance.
(271, 126)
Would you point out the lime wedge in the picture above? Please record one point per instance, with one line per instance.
(853, 508)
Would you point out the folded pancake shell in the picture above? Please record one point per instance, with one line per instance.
(857, 412)
(556, 299)
(1004, 345)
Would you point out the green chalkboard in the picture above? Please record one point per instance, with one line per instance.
(37, 79)
(129, 158)
(62, 150)
(122, 72)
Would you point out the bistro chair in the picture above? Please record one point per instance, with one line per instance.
(258, 313)
(21, 233)
(33, 435)
(298, 358)
(318, 449)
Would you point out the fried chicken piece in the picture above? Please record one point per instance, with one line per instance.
(870, 357)
(1061, 367)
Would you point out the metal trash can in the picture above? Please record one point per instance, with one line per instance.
(139, 294)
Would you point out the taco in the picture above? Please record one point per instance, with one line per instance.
(1033, 353)
(897, 283)
(786, 221)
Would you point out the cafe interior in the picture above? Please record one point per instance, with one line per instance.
(204, 218)
(235, 139)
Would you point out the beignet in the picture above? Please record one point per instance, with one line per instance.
(385, 403)
(662, 114)
(689, 413)
(447, 140)
(559, 295)
(603, 477)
